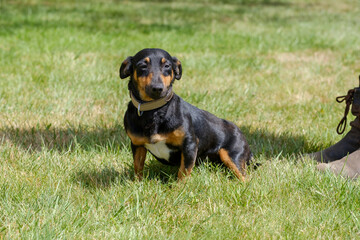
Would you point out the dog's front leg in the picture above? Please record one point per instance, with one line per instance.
(139, 155)
(188, 158)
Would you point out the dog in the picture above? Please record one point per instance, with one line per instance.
(172, 130)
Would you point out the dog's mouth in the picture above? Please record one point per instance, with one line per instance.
(156, 96)
(156, 92)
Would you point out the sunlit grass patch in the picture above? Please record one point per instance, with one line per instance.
(272, 67)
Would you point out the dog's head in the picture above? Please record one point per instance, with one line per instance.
(152, 72)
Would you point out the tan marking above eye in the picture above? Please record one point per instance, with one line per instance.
(147, 60)
(163, 60)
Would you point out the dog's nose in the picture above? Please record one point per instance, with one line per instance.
(157, 89)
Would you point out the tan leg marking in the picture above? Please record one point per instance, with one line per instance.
(139, 161)
(183, 172)
(225, 158)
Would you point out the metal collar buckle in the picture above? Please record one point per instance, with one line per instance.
(140, 113)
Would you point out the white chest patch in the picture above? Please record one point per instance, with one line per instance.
(159, 149)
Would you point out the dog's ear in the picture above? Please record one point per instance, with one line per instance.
(177, 68)
(126, 68)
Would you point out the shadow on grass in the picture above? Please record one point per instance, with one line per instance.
(94, 179)
(263, 143)
(108, 176)
(65, 139)
(270, 145)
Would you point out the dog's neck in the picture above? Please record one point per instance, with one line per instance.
(142, 106)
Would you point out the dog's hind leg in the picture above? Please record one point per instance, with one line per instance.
(227, 160)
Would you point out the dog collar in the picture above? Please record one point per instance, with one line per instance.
(147, 106)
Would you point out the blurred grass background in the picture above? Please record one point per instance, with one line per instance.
(272, 67)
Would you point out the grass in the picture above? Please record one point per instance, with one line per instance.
(272, 67)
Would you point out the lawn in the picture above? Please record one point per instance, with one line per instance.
(273, 67)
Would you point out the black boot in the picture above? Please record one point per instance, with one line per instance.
(347, 145)
(351, 141)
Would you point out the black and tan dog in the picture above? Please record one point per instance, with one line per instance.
(174, 131)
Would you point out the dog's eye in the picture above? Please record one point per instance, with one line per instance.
(166, 66)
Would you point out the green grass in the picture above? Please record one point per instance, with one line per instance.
(272, 67)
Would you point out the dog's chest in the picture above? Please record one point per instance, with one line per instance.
(159, 149)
